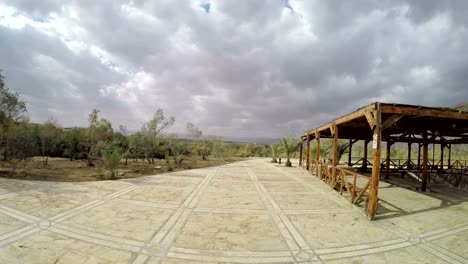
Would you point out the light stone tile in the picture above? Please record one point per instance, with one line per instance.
(231, 200)
(230, 232)
(159, 195)
(338, 230)
(8, 224)
(456, 243)
(285, 187)
(48, 247)
(234, 186)
(405, 255)
(44, 203)
(294, 201)
(182, 261)
(418, 223)
(176, 181)
(232, 177)
(129, 221)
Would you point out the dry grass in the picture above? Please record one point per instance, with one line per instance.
(61, 169)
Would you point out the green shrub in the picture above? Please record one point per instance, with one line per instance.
(111, 157)
(169, 164)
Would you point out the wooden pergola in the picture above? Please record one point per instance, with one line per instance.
(379, 122)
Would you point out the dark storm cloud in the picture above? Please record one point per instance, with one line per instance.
(245, 68)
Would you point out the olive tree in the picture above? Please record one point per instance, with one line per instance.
(73, 141)
(203, 147)
(222, 149)
(152, 130)
(12, 110)
(98, 130)
(48, 135)
(111, 156)
(121, 139)
(177, 149)
(21, 146)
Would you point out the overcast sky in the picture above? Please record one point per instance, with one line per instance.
(235, 68)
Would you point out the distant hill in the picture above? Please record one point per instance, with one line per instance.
(463, 107)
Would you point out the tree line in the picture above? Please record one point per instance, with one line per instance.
(21, 140)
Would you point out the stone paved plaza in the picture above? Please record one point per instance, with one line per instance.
(246, 212)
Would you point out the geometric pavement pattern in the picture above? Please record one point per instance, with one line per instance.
(245, 212)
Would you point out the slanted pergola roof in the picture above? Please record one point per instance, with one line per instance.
(399, 119)
(383, 122)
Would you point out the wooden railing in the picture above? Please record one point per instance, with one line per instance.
(456, 166)
(354, 192)
(347, 181)
(459, 165)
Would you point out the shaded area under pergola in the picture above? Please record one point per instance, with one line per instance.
(391, 123)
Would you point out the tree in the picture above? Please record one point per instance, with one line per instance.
(245, 150)
(289, 146)
(121, 140)
(136, 146)
(93, 122)
(73, 143)
(98, 130)
(203, 147)
(193, 131)
(177, 149)
(151, 131)
(275, 151)
(48, 135)
(21, 145)
(111, 156)
(12, 110)
(222, 149)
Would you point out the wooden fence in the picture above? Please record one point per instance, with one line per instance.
(353, 184)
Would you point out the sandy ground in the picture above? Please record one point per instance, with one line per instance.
(245, 212)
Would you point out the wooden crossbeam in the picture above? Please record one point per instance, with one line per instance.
(390, 121)
(370, 118)
(332, 129)
(361, 193)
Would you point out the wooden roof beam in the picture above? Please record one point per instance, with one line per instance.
(344, 119)
(436, 113)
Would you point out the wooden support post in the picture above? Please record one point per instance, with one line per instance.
(300, 153)
(375, 178)
(425, 162)
(364, 162)
(335, 154)
(317, 152)
(449, 155)
(433, 155)
(408, 162)
(442, 146)
(419, 156)
(387, 159)
(350, 150)
(308, 153)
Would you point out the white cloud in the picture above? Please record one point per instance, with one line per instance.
(423, 75)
